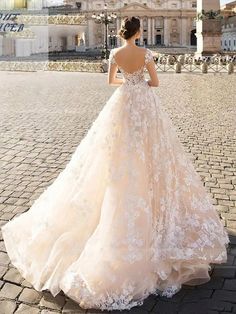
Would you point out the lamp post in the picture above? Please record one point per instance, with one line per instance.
(105, 18)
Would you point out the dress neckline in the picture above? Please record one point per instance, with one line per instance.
(134, 72)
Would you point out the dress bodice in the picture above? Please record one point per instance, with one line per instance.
(137, 76)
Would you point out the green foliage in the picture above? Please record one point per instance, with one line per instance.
(209, 15)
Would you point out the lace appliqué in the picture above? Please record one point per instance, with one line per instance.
(148, 56)
(120, 299)
(111, 57)
(136, 77)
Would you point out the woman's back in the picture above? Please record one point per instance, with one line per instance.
(130, 58)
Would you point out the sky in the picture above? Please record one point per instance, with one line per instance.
(225, 1)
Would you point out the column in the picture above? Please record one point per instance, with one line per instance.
(83, 38)
(149, 31)
(208, 30)
(1, 45)
(162, 30)
(141, 37)
(118, 41)
(179, 30)
(91, 41)
(69, 42)
(153, 31)
(166, 35)
(117, 25)
(184, 32)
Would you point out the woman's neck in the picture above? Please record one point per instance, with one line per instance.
(130, 42)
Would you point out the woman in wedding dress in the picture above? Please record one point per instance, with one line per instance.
(129, 215)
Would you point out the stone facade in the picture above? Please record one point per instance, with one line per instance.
(228, 40)
(208, 29)
(169, 23)
(164, 23)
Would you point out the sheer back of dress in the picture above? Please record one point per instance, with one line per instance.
(137, 76)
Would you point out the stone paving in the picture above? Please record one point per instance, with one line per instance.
(43, 117)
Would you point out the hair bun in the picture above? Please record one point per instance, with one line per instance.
(129, 27)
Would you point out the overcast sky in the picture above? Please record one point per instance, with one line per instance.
(225, 1)
(55, 2)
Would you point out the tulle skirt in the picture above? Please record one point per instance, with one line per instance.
(127, 217)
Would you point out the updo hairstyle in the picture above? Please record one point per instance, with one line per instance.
(129, 27)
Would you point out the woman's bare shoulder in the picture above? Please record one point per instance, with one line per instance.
(136, 48)
(117, 49)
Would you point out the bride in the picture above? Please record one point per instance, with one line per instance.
(129, 215)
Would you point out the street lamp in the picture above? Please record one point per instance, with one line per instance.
(105, 18)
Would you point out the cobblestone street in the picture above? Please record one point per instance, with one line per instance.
(44, 116)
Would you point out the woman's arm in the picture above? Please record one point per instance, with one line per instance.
(151, 67)
(112, 72)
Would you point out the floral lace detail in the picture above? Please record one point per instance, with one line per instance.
(128, 216)
(137, 76)
(111, 57)
(148, 56)
(121, 299)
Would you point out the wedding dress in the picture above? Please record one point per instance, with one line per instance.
(127, 217)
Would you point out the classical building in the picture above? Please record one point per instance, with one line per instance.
(167, 23)
(228, 39)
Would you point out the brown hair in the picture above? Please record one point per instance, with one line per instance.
(129, 27)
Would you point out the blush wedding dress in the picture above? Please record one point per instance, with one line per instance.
(127, 217)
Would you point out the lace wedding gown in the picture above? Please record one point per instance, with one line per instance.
(127, 217)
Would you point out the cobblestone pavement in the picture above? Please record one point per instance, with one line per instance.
(44, 116)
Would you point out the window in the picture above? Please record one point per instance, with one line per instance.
(20, 4)
(78, 5)
(234, 42)
(194, 4)
(157, 22)
(229, 42)
(225, 42)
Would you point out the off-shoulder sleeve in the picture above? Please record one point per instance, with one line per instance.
(148, 56)
(111, 57)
